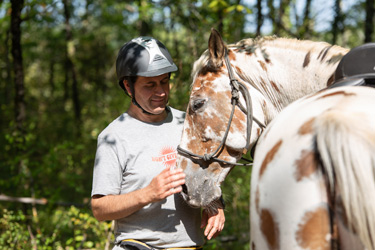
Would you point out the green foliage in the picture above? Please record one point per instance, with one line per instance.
(14, 233)
(67, 229)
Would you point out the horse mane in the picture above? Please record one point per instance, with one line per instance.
(286, 43)
(251, 44)
(198, 64)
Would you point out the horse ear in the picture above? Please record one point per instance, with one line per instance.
(216, 47)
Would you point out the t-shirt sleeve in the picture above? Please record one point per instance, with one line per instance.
(107, 174)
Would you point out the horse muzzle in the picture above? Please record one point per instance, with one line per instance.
(200, 188)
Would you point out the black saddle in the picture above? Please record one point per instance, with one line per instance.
(357, 67)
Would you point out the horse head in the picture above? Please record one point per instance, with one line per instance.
(237, 90)
(218, 124)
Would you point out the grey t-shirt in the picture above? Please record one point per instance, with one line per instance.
(129, 154)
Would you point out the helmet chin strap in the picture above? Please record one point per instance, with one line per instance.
(132, 96)
(139, 106)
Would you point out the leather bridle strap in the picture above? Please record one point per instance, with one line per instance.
(236, 88)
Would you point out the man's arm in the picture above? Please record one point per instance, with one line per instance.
(112, 207)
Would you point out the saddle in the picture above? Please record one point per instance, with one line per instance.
(357, 67)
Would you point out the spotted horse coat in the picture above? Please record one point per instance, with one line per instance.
(313, 178)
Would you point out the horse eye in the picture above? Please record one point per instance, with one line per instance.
(197, 104)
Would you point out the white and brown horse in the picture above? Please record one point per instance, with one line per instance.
(295, 202)
(237, 90)
(313, 179)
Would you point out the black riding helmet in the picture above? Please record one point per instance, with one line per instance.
(357, 67)
(143, 56)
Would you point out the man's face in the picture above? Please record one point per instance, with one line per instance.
(152, 93)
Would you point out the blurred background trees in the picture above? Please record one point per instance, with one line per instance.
(58, 90)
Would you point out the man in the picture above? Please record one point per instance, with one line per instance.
(134, 181)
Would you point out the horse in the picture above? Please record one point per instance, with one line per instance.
(237, 90)
(313, 178)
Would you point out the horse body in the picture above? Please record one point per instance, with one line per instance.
(275, 72)
(313, 183)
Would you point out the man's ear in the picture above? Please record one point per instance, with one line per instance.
(127, 87)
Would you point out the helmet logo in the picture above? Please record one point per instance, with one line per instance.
(157, 59)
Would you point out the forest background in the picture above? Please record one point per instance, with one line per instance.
(58, 90)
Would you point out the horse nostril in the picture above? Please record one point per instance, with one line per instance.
(184, 189)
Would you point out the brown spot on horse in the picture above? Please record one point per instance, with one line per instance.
(314, 230)
(269, 157)
(263, 65)
(306, 165)
(323, 53)
(273, 84)
(239, 71)
(306, 128)
(270, 229)
(307, 60)
(341, 92)
(231, 55)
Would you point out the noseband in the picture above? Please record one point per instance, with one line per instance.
(237, 87)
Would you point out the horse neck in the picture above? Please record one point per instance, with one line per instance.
(284, 70)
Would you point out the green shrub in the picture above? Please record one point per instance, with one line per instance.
(68, 229)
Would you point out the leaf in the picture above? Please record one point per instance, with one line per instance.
(213, 4)
(240, 8)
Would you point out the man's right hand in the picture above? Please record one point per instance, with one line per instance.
(168, 182)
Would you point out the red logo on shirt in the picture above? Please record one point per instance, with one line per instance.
(167, 156)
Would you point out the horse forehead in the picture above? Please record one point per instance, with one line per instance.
(210, 81)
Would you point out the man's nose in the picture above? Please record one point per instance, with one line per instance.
(159, 90)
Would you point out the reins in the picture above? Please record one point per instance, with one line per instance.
(237, 87)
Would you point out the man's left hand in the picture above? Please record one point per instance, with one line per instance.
(214, 223)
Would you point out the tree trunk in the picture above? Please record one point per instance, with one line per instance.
(220, 19)
(305, 29)
(337, 22)
(15, 30)
(259, 18)
(144, 27)
(20, 106)
(75, 96)
(272, 15)
(8, 79)
(66, 80)
(280, 25)
(369, 24)
(52, 77)
(70, 68)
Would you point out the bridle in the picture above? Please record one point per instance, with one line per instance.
(237, 87)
